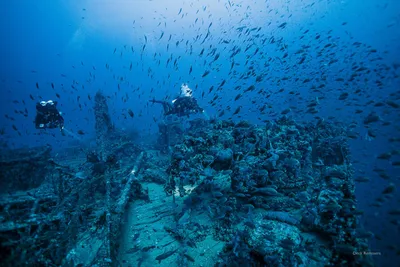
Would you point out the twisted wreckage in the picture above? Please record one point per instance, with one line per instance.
(227, 194)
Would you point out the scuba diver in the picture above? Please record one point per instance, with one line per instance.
(47, 116)
(183, 105)
(172, 127)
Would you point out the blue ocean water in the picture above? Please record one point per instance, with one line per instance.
(343, 55)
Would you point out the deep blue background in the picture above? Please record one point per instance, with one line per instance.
(43, 40)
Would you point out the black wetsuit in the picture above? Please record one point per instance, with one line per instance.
(185, 105)
(182, 106)
(48, 116)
